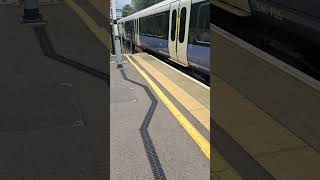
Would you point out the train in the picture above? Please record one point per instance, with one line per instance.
(296, 17)
(178, 30)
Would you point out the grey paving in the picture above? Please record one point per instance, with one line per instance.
(179, 156)
(194, 89)
(54, 117)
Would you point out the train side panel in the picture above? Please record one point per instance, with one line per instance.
(238, 7)
(198, 58)
(199, 37)
(301, 18)
(155, 44)
(191, 40)
(310, 7)
(153, 32)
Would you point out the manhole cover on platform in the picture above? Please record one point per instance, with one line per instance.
(36, 106)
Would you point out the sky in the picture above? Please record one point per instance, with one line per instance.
(121, 3)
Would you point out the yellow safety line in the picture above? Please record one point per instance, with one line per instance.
(192, 131)
(100, 32)
(198, 110)
(221, 168)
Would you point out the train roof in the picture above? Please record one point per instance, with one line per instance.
(154, 9)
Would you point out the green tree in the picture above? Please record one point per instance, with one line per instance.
(142, 4)
(127, 10)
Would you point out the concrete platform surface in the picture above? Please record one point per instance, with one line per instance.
(174, 150)
(53, 115)
(268, 111)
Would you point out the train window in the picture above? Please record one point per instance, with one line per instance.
(155, 25)
(173, 25)
(183, 17)
(149, 26)
(159, 29)
(155, 28)
(131, 29)
(160, 33)
(143, 25)
(140, 26)
(166, 25)
(144, 28)
(203, 34)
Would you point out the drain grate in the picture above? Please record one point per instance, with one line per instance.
(153, 158)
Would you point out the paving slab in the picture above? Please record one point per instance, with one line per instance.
(179, 156)
(58, 114)
(268, 109)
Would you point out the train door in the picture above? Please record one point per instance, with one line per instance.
(179, 30)
(173, 30)
(131, 31)
(135, 30)
(183, 31)
(138, 39)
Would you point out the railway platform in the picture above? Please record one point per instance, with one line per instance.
(266, 113)
(53, 96)
(160, 123)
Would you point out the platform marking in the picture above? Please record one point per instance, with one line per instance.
(100, 32)
(221, 169)
(191, 130)
(183, 74)
(198, 110)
